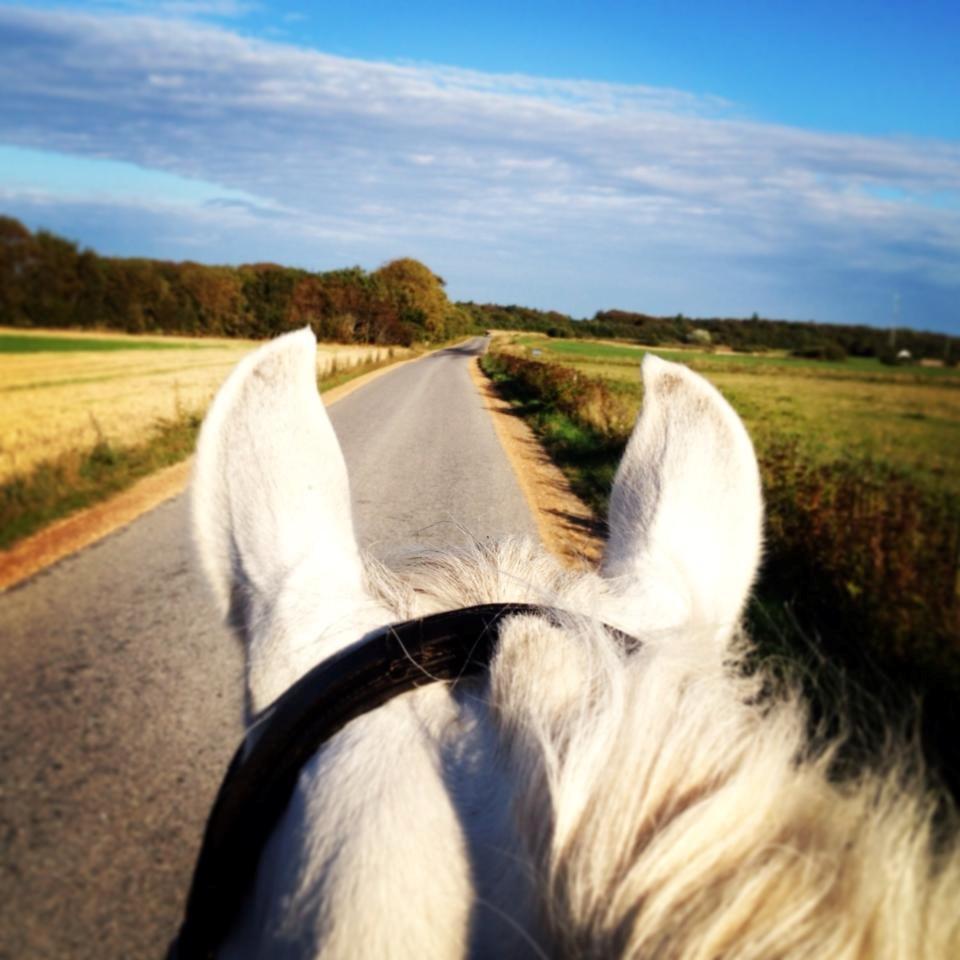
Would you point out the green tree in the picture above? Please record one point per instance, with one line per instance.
(16, 253)
(418, 294)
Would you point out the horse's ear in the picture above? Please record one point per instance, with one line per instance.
(686, 510)
(270, 503)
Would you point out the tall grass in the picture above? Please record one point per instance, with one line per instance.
(80, 478)
(865, 549)
(863, 546)
(587, 401)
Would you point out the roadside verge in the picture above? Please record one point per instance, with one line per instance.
(565, 523)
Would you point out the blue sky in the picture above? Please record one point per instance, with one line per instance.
(797, 160)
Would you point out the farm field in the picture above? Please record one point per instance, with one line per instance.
(908, 417)
(46, 341)
(66, 392)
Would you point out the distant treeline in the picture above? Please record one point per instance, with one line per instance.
(829, 341)
(47, 281)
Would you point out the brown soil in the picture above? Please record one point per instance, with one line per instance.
(565, 523)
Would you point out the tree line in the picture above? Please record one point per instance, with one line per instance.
(823, 340)
(48, 281)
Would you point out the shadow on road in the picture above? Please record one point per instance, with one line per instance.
(572, 522)
(474, 348)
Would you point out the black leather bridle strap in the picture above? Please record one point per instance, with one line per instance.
(264, 771)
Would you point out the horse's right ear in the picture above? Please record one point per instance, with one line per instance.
(272, 522)
(686, 510)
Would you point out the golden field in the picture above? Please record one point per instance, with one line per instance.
(74, 394)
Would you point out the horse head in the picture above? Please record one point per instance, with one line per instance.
(581, 796)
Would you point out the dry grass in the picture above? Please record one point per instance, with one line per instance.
(52, 403)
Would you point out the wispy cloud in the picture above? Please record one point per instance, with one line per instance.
(440, 159)
(216, 9)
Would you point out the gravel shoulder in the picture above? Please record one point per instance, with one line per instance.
(565, 523)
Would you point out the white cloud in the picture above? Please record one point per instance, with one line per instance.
(423, 155)
(177, 8)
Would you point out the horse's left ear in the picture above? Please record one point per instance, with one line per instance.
(270, 503)
(686, 510)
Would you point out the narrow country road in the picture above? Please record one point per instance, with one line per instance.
(425, 464)
(121, 692)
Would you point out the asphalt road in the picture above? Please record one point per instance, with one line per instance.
(425, 463)
(121, 693)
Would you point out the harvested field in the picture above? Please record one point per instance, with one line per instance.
(53, 401)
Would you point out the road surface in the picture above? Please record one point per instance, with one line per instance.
(121, 692)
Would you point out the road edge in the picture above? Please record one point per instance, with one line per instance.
(566, 525)
(63, 538)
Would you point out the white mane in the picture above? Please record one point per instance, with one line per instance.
(579, 801)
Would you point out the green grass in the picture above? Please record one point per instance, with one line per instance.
(867, 368)
(28, 343)
(582, 348)
(871, 412)
(862, 482)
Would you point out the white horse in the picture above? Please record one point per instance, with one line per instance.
(581, 798)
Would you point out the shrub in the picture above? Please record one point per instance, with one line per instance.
(867, 554)
(893, 357)
(699, 336)
(821, 351)
(586, 400)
